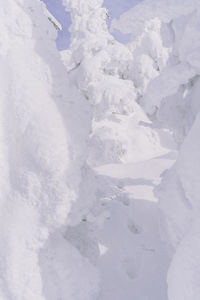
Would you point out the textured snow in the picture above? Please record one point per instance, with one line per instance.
(39, 169)
(99, 156)
(172, 100)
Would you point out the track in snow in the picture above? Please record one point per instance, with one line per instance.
(134, 260)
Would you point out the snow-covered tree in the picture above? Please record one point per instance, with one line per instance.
(98, 66)
(40, 161)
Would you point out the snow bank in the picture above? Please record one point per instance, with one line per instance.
(40, 161)
(179, 195)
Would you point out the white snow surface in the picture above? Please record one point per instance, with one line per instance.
(100, 153)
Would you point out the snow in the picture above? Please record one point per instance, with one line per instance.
(115, 8)
(171, 99)
(136, 260)
(99, 152)
(38, 181)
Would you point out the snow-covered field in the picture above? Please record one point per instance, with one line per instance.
(100, 152)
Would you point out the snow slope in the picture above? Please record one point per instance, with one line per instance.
(40, 160)
(134, 260)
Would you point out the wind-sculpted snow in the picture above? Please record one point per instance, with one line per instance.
(165, 10)
(40, 160)
(179, 194)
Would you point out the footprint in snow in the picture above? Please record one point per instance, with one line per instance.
(130, 268)
(135, 229)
